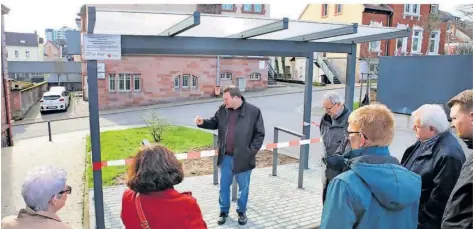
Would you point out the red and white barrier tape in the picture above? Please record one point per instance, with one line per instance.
(206, 153)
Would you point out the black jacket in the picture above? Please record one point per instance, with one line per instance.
(439, 166)
(249, 135)
(459, 210)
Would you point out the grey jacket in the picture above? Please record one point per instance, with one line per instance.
(333, 133)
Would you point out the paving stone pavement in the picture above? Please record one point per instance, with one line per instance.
(66, 151)
(274, 202)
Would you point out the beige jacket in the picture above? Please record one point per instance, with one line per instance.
(29, 219)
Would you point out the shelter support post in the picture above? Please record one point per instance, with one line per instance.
(351, 71)
(304, 156)
(95, 127)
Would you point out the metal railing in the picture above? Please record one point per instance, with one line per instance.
(326, 68)
(302, 158)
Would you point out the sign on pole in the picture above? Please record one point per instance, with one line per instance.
(102, 47)
(100, 71)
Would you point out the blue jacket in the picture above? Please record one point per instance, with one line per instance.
(376, 192)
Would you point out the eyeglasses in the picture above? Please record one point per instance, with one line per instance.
(68, 190)
(330, 108)
(347, 133)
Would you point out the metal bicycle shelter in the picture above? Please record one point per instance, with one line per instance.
(145, 33)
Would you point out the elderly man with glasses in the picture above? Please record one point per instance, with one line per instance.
(332, 127)
(438, 158)
(45, 193)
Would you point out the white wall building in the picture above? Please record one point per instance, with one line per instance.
(23, 47)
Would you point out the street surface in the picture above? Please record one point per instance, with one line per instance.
(278, 110)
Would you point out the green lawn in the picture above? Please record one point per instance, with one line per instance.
(122, 144)
(356, 105)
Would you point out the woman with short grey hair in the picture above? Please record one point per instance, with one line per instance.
(45, 193)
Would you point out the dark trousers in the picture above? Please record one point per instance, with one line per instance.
(324, 192)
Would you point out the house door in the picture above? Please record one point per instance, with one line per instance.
(241, 83)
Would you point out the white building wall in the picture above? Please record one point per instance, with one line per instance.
(33, 56)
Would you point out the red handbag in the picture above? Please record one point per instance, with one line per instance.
(141, 214)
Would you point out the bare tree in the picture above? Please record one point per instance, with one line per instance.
(431, 23)
(283, 61)
(365, 55)
(466, 10)
(156, 125)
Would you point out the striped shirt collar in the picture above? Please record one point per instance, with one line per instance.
(429, 142)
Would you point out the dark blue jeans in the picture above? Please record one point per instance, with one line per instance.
(226, 178)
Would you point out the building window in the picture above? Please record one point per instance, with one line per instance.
(228, 7)
(226, 76)
(27, 53)
(185, 81)
(177, 82)
(136, 82)
(127, 82)
(247, 8)
(434, 42)
(412, 9)
(401, 46)
(112, 83)
(255, 76)
(416, 41)
(194, 81)
(434, 8)
(252, 8)
(17, 54)
(258, 8)
(338, 9)
(124, 82)
(324, 10)
(375, 46)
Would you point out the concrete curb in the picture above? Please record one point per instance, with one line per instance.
(177, 104)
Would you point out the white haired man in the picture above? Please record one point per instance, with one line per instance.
(45, 193)
(333, 125)
(459, 210)
(437, 157)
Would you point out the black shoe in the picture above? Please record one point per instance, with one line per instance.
(242, 218)
(222, 218)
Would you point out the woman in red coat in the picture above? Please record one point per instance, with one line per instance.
(151, 201)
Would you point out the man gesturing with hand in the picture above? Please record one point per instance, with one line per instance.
(240, 136)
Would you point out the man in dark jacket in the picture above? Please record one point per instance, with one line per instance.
(240, 136)
(333, 125)
(437, 157)
(459, 210)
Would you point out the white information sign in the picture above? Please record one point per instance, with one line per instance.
(100, 71)
(102, 47)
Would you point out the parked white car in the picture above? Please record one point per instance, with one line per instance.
(55, 100)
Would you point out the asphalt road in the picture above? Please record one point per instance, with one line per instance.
(281, 110)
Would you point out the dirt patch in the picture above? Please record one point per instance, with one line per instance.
(203, 166)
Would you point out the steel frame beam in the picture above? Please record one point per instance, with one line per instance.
(350, 81)
(184, 25)
(264, 29)
(352, 29)
(152, 45)
(375, 37)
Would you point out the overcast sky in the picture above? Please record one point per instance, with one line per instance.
(39, 15)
